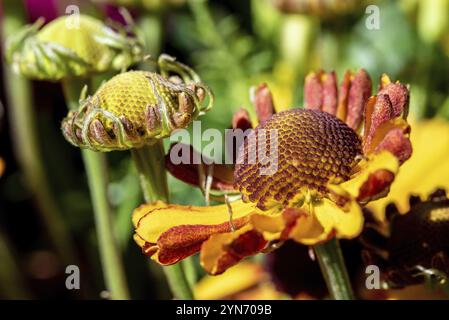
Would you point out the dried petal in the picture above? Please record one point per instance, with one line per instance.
(330, 93)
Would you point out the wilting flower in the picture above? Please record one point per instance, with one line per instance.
(71, 46)
(136, 108)
(414, 247)
(342, 151)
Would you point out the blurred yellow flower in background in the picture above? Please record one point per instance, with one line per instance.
(425, 171)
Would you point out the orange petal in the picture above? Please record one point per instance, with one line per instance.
(372, 179)
(222, 251)
(378, 110)
(169, 233)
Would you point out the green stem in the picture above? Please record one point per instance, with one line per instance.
(12, 284)
(96, 171)
(150, 164)
(24, 134)
(334, 271)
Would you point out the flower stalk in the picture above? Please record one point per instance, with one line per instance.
(96, 171)
(334, 270)
(23, 123)
(150, 164)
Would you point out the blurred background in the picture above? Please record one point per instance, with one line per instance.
(233, 45)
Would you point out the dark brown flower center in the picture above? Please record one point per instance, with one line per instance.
(313, 148)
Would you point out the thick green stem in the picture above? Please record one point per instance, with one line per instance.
(96, 171)
(334, 271)
(150, 164)
(24, 134)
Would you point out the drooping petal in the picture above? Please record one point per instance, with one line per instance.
(344, 223)
(224, 250)
(372, 180)
(188, 171)
(308, 230)
(396, 142)
(169, 233)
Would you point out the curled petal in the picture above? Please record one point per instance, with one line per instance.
(263, 102)
(378, 110)
(397, 143)
(169, 233)
(376, 186)
(399, 96)
(188, 171)
(222, 251)
(308, 230)
(342, 222)
(377, 136)
(359, 92)
(371, 180)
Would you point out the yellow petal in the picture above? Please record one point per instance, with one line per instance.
(308, 230)
(151, 220)
(346, 224)
(221, 251)
(382, 161)
(238, 278)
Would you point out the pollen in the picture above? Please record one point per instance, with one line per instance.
(312, 148)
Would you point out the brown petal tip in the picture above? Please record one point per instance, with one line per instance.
(313, 91)
(399, 96)
(376, 186)
(359, 92)
(397, 143)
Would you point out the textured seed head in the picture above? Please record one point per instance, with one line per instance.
(314, 148)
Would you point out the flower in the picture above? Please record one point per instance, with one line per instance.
(70, 46)
(328, 167)
(137, 108)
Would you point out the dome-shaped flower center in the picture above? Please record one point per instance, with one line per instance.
(313, 148)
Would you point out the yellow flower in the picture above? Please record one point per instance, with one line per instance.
(326, 168)
(426, 170)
